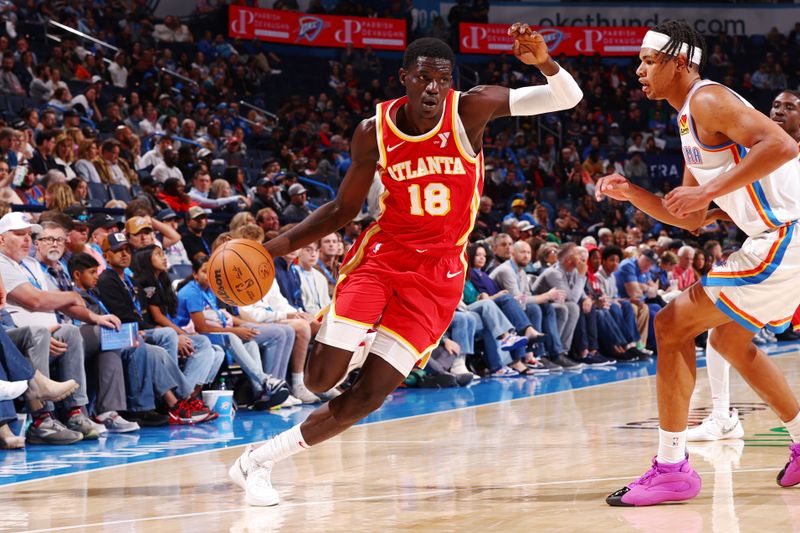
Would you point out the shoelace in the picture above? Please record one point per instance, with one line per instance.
(648, 475)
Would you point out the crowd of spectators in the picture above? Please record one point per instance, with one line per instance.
(126, 170)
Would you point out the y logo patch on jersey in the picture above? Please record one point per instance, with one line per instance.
(376, 247)
(683, 124)
(443, 138)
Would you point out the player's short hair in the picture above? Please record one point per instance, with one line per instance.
(794, 93)
(428, 47)
(680, 32)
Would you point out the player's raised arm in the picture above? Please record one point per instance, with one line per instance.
(335, 214)
(493, 101)
(717, 111)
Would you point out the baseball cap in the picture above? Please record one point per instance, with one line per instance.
(137, 224)
(102, 220)
(163, 96)
(71, 113)
(650, 254)
(97, 79)
(203, 152)
(17, 220)
(114, 242)
(614, 125)
(201, 105)
(166, 214)
(196, 211)
(296, 189)
(78, 214)
(265, 182)
(525, 226)
(519, 202)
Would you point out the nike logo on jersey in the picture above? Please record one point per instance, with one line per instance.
(451, 275)
(390, 148)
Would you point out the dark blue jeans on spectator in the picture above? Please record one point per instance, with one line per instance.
(585, 337)
(609, 333)
(651, 331)
(625, 319)
(13, 367)
(139, 378)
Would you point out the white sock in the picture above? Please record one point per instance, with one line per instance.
(297, 379)
(281, 446)
(793, 426)
(719, 378)
(671, 446)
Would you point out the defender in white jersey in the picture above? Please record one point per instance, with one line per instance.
(746, 164)
(723, 422)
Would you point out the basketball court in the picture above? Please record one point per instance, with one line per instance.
(519, 454)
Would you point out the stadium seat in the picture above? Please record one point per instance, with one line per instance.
(98, 191)
(120, 192)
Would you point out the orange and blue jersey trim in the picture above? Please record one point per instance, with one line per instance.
(739, 316)
(756, 192)
(760, 272)
(779, 326)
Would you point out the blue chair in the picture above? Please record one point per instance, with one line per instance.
(120, 192)
(98, 191)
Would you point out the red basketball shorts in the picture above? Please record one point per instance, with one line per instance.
(407, 295)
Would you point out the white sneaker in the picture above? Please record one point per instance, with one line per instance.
(291, 401)
(715, 428)
(254, 478)
(112, 422)
(10, 390)
(301, 392)
(102, 430)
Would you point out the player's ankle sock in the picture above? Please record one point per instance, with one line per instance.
(297, 378)
(281, 446)
(671, 446)
(793, 426)
(719, 371)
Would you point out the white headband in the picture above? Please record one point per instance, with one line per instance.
(657, 41)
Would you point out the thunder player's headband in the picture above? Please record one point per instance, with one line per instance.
(657, 41)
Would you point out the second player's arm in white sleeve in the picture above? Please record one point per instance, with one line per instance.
(561, 92)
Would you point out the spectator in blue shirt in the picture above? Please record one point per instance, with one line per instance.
(635, 284)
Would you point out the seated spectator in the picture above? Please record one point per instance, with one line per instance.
(111, 168)
(313, 284)
(634, 284)
(31, 303)
(198, 306)
(156, 155)
(141, 232)
(298, 209)
(501, 252)
(264, 197)
(328, 262)
(201, 361)
(167, 168)
(683, 271)
(194, 235)
(84, 168)
(120, 296)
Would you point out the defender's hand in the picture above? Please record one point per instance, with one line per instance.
(683, 201)
(614, 186)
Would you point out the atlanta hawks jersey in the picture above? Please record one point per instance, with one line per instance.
(765, 204)
(432, 181)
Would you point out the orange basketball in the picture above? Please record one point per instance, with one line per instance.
(240, 272)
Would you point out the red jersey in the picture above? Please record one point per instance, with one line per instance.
(432, 183)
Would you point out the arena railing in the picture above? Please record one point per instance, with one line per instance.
(80, 34)
(264, 112)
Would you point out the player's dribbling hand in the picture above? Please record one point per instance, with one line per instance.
(529, 46)
(683, 201)
(614, 186)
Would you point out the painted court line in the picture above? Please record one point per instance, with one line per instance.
(391, 496)
(790, 349)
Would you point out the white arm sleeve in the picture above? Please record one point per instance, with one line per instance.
(561, 92)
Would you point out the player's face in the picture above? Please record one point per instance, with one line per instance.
(785, 111)
(656, 77)
(427, 83)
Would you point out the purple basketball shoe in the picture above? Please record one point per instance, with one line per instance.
(790, 475)
(662, 483)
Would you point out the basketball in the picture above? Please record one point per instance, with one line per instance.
(240, 272)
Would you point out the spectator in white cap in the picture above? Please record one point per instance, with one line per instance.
(31, 303)
(298, 209)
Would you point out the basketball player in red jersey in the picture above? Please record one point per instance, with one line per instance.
(405, 274)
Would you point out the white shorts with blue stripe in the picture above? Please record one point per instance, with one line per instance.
(759, 285)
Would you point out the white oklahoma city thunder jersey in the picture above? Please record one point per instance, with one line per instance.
(763, 205)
